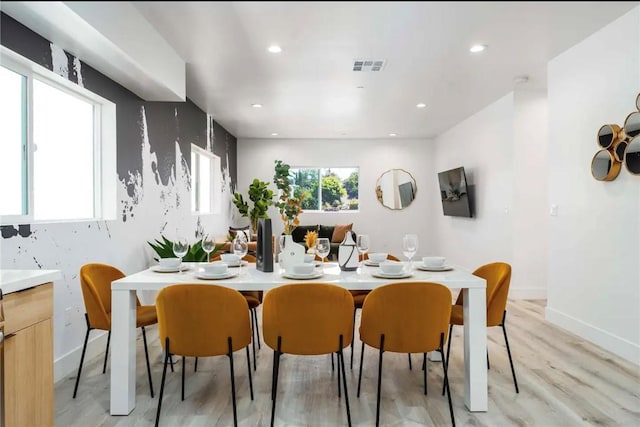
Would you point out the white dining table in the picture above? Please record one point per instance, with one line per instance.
(123, 317)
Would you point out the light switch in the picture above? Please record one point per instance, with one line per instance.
(553, 210)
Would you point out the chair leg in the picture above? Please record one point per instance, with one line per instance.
(333, 366)
(233, 382)
(353, 335)
(379, 380)
(164, 375)
(183, 369)
(339, 386)
(84, 349)
(274, 381)
(424, 371)
(410, 367)
(344, 379)
(255, 313)
(249, 369)
(488, 365)
(146, 355)
(195, 365)
(106, 354)
(448, 352)
(253, 341)
(446, 379)
(506, 340)
(171, 362)
(361, 363)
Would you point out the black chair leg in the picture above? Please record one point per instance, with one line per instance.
(255, 313)
(164, 375)
(183, 369)
(171, 362)
(424, 371)
(339, 386)
(344, 379)
(488, 365)
(410, 367)
(84, 349)
(249, 369)
(146, 355)
(379, 380)
(254, 325)
(506, 340)
(233, 382)
(195, 365)
(446, 379)
(274, 381)
(448, 353)
(333, 366)
(361, 363)
(106, 354)
(353, 335)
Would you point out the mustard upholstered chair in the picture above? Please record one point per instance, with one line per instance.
(203, 321)
(307, 319)
(498, 277)
(358, 300)
(409, 317)
(254, 299)
(95, 282)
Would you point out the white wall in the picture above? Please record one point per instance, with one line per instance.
(385, 227)
(594, 263)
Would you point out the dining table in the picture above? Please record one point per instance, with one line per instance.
(248, 278)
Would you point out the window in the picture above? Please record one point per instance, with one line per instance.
(326, 189)
(56, 138)
(205, 181)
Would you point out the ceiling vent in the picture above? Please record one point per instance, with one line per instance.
(368, 65)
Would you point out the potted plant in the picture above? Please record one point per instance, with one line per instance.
(289, 205)
(164, 249)
(261, 197)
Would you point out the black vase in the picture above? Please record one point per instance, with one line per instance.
(264, 251)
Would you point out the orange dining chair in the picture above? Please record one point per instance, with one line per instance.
(358, 300)
(498, 277)
(307, 319)
(254, 299)
(95, 282)
(203, 321)
(406, 317)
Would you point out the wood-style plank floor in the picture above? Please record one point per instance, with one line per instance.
(564, 381)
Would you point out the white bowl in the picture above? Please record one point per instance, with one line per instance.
(303, 269)
(391, 267)
(378, 257)
(309, 257)
(433, 261)
(230, 258)
(170, 262)
(217, 267)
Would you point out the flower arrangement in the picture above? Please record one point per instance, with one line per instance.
(310, 240)
(288, 204)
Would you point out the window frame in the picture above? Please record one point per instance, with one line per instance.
(320, 169)
(104, 141)
(214, 182)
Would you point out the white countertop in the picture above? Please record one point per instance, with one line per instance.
(17, 280)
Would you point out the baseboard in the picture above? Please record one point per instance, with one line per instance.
(68, 364)
(527, 293)
(617, 345)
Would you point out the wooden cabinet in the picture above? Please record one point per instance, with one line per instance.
(28, 357)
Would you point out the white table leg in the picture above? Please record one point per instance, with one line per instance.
(123, 351)
(475, 350)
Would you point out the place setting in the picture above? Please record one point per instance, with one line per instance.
(303, 271)
(169, 265)
(233, 260)
(375, 258)
(434, 263)
(217, 270)
(392, 270)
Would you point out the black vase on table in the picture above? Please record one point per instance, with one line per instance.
(264, 251)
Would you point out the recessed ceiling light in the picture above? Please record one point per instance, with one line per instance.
(256, 105)
(274, 133)
(421, 105)
(477, 48)
(393, 134)
(274, 48)
(521, 79)
(359, 87)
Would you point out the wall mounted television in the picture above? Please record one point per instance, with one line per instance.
(454, 193)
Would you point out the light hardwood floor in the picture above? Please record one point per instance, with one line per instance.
(564, 381)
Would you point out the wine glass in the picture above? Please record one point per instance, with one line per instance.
(323, 247)
(240, 247)
(409, 246)
(208, 243)
(281, 245)
(362, 243)
(180, 248)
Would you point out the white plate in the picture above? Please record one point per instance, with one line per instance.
(211, 276)
(402, 275)
(371, 263)
(295, 276)
(442, 268)
(160, 269)
(237, 265)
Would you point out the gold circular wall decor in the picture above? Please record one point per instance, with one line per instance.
(604, 166)
(632, 125)
(608, 135)
(638, 102)
(619, 149)
(632, 156)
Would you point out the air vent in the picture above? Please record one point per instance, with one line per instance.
(368, 65)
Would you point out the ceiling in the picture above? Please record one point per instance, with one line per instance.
(309, 89)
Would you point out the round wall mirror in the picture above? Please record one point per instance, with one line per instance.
(632, 156)
(396, 189)
(638, 102)
(632, 125)
(607, 135)
(604, 167)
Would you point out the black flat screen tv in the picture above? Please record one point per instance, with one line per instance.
(454, 193)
